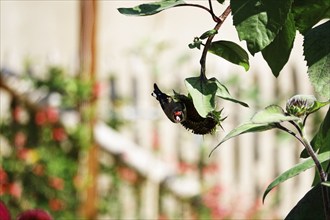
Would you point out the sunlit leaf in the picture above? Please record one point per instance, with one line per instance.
(327, 183)
(231, 52)
(317, 55)
(272, 114)
(202, 92)
(247, 127)
(150, 8)
(258, 22)
(297, 169)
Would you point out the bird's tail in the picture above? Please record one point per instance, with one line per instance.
(159, 95)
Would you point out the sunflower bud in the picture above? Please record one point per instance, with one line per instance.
(300, 105)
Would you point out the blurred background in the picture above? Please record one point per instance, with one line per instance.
(82, 137)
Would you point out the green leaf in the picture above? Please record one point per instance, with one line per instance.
(223, 93)
(150, 8)
(208, 33)
(317, 55)
(259, 21)
(307, 13)
(202, 92)
(272, 114)
(309, 207)
(262, 121)
(327, 183)
(297, 169)
(321, 141)
(231, 52)
(278, 52)
(247, 127)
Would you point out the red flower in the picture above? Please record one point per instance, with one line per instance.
(56, 204)
(3, 176)
(15, 190)
(35, 214)
(40, 118)
(59, 134)
(38, 170)
(17, 113)
(20, 139)
(57, 183)
(4, 212)
(52, 115)
(3, 189)
(3, 181)
(22, 153)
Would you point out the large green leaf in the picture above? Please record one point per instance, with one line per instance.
(202, 92)
(231, 52)
(263, 120)
(309, 207)
(259, 21)
(307, 164)
(272, 114)
(307, 13)
(317, 55)
(278, 52)
(150, 8)
(247, 127)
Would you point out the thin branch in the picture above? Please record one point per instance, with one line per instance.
(214, 17)
(221, 19)
(279, 126)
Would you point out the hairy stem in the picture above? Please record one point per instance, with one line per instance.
(221, 19)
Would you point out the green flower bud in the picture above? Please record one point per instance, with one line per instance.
(300, 105)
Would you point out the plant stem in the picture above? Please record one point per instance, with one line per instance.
(221, 19)
(322, 174)
(312, 154)
(214, 17)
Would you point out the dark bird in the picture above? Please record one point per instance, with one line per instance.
(174, 110)
(181, 109)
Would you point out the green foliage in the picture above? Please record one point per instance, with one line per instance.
(295, 170)
(150, 8)
(258, 22)
(280, 47)
(308, 13)
(317, 55)
(321, 140)
(264, 120)
(309, 207)
(203, 93)
(231, 52)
